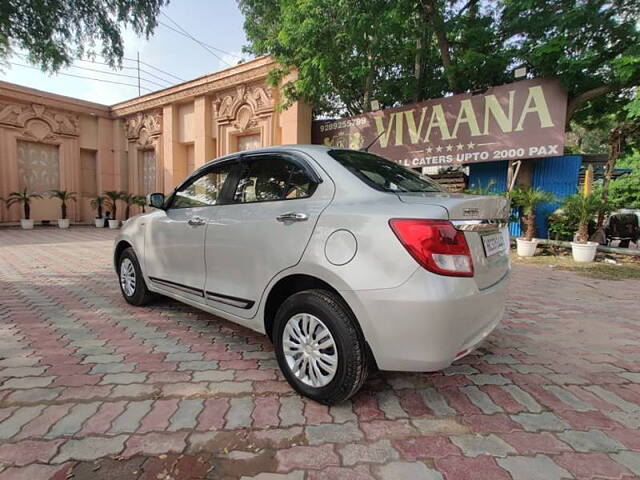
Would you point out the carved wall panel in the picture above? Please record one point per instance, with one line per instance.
(143, 127)
(33, 118)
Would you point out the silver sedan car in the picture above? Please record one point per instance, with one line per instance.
(347, 261)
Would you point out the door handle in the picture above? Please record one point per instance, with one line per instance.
(196, 221)
(292, 217)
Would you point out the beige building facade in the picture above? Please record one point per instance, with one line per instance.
(144, 145)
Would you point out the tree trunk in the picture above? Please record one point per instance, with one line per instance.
(529, 226)
(417, 69)
(437, 23)
(99, 210)
(582, 236)
(368, 83)
(576, 102)
(127, 210)
(27, 210)
(63, 207)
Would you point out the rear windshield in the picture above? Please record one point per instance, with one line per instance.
(383, 174)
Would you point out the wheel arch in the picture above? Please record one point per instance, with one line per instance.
(298, 282)
(121, 246)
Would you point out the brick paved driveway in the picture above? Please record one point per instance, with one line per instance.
(93, 388)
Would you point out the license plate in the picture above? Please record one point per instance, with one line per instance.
(494, 244)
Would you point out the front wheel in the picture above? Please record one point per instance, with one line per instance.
(319, 347)
(132, 284)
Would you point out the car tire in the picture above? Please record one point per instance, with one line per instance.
(325, 311)
(135, 293)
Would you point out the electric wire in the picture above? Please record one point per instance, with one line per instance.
(81, 76)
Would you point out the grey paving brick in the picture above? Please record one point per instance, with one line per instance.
(474, 445)
(186, 414)
(590, 441)
(20, 417)
(129, 420)
(18, 362)
(378, 452)
(90, 448)
(389, 403)
(489, 379)
(22, 371)
(212, 375)
(523, 398)
(460, 370)
(198, 365)
(26, 382)
(291, 409)
(123, 378)
(184, 356)
(33, 395)
(171, 348)
(499, 359)
(102, 368)
(332, 433)
(107, 358)
(569, 398)
(566, 379)
(531, 368)
(341, 413)
(612, 398)
(539, 467)
(632, 376)
(535, 422)
(239, 413)
(631, 460)
(481, 400)
(436, 402)
(407, 470)
(73, 421)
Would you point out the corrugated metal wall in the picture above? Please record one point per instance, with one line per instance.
(558, 175)
(481, 174)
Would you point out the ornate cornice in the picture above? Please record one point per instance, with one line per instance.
(19, 115)
(246, 73)
(241, 107)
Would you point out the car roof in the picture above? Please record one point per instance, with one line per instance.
(310, 149)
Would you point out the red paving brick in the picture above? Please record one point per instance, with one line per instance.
(561, 342)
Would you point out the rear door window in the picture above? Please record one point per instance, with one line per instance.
(273, 178)
(382, 174)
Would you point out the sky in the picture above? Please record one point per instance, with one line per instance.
(217, 23)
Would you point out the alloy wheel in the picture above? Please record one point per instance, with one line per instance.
(310, 350)
(127, 277)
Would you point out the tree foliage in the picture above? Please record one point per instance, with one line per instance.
(396, 51)
(54, 32)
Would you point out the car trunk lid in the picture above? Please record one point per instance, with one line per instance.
(484, 221)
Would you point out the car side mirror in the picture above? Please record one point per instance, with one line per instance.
(156, 200)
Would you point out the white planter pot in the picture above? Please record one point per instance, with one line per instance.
(99, 222)
(26, 224)
(114, 223)
(526, 248)
(584, 252)
(63, 223)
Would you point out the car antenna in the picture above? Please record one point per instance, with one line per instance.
(366, 149)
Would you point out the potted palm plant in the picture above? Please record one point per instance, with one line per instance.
(64, 197)
(583, 208)
(25, 199)
(140, 201)
(127, 198)
(112, 197)
(97, 203)
(528, 199)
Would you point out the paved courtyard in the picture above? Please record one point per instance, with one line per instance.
(93, 388)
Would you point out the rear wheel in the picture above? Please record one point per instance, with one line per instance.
(319, 347)
(132, 284)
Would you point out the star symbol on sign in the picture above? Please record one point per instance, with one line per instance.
(438, 148)
(449, 148)
(459, 146)
(429, 149)
(470, 145)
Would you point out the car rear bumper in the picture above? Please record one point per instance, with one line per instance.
(429, 321)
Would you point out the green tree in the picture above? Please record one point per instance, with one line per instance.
(54, 32)
(24, 198)
(348, 51)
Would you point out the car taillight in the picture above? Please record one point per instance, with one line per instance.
(435, 244)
